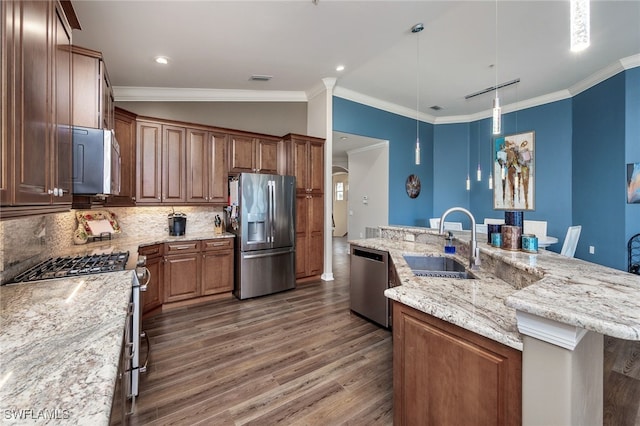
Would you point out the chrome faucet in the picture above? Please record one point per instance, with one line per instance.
(474, 251)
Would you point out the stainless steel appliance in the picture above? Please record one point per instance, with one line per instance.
(70, 266)
(262, 215)
(96, 162)
(368, 280)
(177, 224)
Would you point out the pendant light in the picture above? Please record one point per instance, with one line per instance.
(416, 29)
(580, 24)
(497, 112)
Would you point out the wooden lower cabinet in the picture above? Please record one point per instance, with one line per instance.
(154, 295)
(446, 375)
(187, 271)
(309, 236)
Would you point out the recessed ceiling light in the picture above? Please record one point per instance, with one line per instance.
(162, 60)
(340, 68)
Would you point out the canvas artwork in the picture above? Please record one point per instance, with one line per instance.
(633, 183)
(514, 172)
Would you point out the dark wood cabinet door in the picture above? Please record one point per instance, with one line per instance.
(125, 129)
(149, 167)
(315, 250)
(218, 182)
(299, 154)
(217, 272)
(266, 157)
(198, 178)
(315, 164)
(153, 297)
(444, 374)
(302, 235)
(241, 154)
(181, 277)
(86, 88)
(62, 136)
(32, 81)
(174, 174)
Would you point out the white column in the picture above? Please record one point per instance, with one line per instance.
(320, 124)
(562, 369)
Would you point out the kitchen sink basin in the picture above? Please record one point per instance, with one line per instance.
(437, 266)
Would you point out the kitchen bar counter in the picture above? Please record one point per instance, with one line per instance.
(546, 284)
(60, 339)
(60, 346)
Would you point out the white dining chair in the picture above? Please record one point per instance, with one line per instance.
(482, 228)
(491, 221)
(571, 241)
(434, 223)
(535, 227)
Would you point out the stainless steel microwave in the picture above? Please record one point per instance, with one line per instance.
(96, 162)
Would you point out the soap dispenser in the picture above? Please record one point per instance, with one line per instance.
(449, 248)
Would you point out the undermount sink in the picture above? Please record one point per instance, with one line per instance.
(437, 266)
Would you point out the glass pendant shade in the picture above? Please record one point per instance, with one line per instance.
(580, 24)
(417, 152)
(479, 173)
(490, 181)
(468, 183)
(497, 117)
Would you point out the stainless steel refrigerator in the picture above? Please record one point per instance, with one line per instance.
(262, 215)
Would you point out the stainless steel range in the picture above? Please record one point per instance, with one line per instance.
(68, 267)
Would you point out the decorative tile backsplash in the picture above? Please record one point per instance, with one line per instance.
(29, 240)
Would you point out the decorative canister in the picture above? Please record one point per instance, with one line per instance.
(514, 218)
(493, 229)
(511, 237)
(496, 239)
(530, 243)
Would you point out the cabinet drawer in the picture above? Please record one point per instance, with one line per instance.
(151, 251)
(217, 244)
(182, 247)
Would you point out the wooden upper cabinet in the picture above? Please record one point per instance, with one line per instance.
(248, 154)
(305, 160)
(174, 173)
(125, 129)
(206, 167)
(93, 104)
(149, 164)
(36, 107)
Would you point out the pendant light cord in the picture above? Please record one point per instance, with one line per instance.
(496, 52)
(417, 87)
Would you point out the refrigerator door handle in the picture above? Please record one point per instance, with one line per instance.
(272, 209)
(269, 254)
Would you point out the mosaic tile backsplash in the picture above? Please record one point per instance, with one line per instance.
(27, 241)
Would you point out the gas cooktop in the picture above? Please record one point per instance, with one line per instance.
(62, 267)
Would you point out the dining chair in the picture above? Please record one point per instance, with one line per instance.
(482, 228)
(434, 223)
(571, 241)
(535, 227)
(491, 221)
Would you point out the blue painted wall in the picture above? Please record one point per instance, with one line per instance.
(358, 119)
(582, 146)
(632, 143)
(599, 171)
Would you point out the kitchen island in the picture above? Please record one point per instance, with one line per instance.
(61, 339)
(552, 308)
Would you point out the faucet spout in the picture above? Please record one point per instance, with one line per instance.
(474, 251)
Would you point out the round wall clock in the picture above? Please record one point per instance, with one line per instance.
(413, 186)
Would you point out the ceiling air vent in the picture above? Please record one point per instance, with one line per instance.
(436, 107)
(258, 77)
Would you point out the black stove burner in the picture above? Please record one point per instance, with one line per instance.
(74, 266)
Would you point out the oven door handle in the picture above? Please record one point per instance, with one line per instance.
(143, 274)
(143, 368)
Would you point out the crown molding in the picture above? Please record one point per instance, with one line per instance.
(605, 73)
(351, 95)
(170, 94)
(368, 148)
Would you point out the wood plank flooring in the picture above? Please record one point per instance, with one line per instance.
(300, 358)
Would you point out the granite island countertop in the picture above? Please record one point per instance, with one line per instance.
(567, 290)
(60, 339)
(60, 346)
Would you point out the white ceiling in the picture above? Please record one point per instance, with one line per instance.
(220, 44)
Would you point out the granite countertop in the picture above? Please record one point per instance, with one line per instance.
(546, 284)
(60, 346)
(61, 339)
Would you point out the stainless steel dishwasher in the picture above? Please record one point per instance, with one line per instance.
(369, 279)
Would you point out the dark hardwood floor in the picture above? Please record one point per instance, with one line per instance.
(300, 357)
